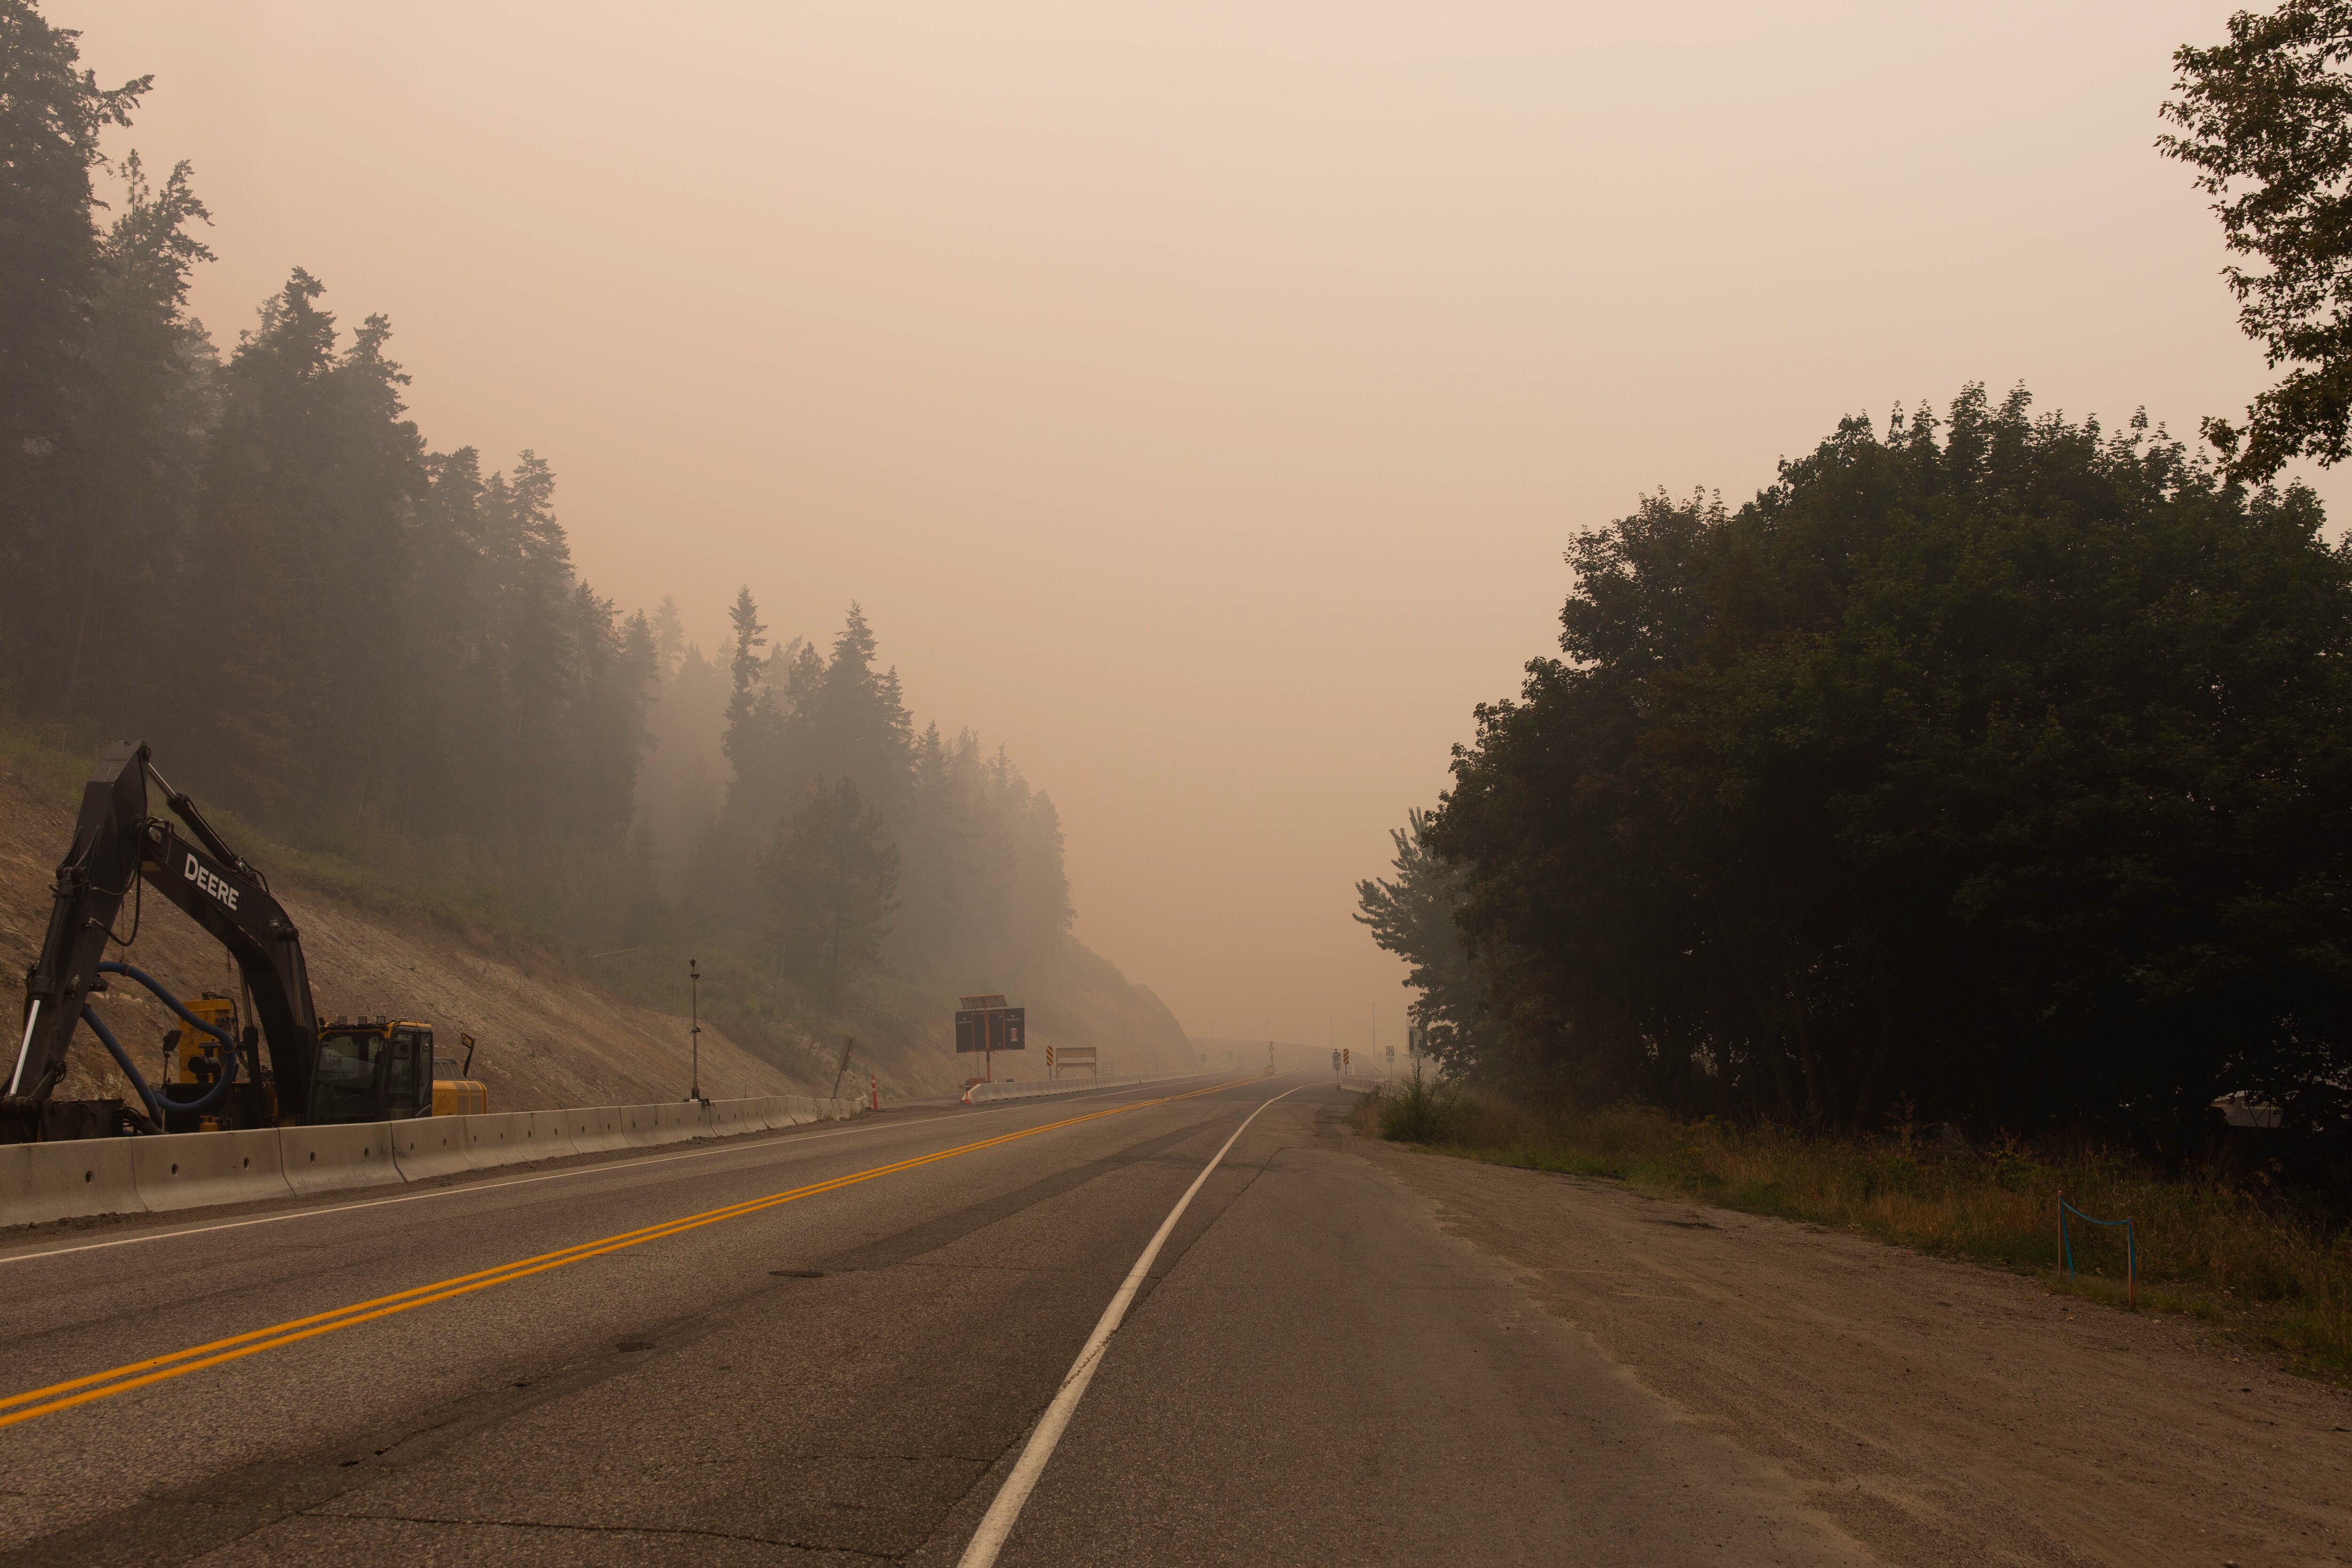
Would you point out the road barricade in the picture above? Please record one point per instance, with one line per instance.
(428, 1147)
(595, 1129)
(189, 1170)
(551, 1135)
(58, 1181)
(640, 1126)
(1031, 1088)
(323, 1159)
(44, 1182)
(500, 1138)
(731, 1116)
(679, 1122)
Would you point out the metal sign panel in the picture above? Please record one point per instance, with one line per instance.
(991, 1028)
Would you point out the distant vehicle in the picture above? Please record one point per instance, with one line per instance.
(282, 1067)
(2243, 1109)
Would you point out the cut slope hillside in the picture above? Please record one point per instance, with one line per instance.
(550, 1035)
(546, 1038)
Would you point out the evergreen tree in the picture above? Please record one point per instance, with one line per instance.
(831, 877)
(53, 271)
(750, 742)
(301, 553)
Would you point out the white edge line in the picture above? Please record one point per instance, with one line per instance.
(461, 1190)
(997, 1524)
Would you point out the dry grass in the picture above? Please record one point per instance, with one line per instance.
(2256, 1260)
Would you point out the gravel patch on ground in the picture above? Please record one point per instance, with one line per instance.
(1940, 1412)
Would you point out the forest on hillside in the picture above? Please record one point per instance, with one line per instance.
(250, 556)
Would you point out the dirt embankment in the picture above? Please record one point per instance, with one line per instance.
(1942, 1414)
(545, 1039)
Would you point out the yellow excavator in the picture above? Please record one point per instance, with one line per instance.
(282, 1067)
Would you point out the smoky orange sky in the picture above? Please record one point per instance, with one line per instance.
(1197, 397)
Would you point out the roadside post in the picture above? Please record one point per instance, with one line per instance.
(2131, 1248)
(694, 985)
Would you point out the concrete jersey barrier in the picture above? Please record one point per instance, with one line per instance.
(498, 1138)
(40, 1182)
(328, 1158)
(191, 1170)
(676, 1123)
(1033, 1089)
(729, 1117)
(424, 1147)
(640, 1125)
(595, 1129)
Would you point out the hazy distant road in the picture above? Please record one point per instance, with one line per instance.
(1312, 1372)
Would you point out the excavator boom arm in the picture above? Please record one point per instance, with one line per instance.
(115, 840)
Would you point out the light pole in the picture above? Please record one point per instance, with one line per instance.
(694, 985)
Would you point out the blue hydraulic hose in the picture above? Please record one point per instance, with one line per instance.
(109, 966)
(158, 1101)
(122, 1060)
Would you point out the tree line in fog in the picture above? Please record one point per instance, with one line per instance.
(251, 557)
(1996, 768)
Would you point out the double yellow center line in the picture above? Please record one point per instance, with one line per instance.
(56, 1396)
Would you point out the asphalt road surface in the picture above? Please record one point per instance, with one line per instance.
(835, 1345)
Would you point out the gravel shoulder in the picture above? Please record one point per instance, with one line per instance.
(1938, 1411)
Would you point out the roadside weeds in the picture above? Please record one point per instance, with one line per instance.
(2270, 1272)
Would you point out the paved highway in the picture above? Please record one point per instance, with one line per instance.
(887, 1340)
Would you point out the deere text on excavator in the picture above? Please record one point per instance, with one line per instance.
(283, 1068)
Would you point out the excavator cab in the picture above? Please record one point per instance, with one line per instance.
(371, 1070)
